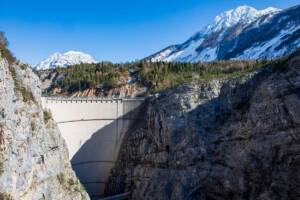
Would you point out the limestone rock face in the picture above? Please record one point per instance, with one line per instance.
(221, 139)
(34, 161)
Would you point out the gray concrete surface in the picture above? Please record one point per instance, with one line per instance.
(93, 129)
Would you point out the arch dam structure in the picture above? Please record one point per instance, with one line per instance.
(93, 129)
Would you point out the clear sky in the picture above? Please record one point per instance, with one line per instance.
(111, 30)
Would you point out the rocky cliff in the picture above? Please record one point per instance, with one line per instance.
(34, 163)
(220, 139)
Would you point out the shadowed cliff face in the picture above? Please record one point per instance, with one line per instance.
(234, 139)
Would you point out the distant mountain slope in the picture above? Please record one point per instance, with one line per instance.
(63, 60)
(242, 33)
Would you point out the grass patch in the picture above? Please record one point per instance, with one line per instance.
(19, 89)
(47, 116)
(1, 148)
(32, 126)
(5, 53)
(77, 185)
(23, 66)
(5, 196)
(61, 178)
(71, 184)
(1, 163)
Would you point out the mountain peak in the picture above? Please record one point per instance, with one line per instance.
(63, 60)
(244, 14)
(72, 52)
(269, 10)
(239, 34)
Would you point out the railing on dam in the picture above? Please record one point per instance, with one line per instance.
(93, 129)
(63, 98)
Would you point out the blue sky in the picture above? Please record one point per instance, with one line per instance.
(111, 30)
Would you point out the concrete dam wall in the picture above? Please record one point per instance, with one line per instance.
(93, 129)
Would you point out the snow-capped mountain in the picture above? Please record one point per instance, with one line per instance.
(241, 33)
(63, 60)
(242, 14)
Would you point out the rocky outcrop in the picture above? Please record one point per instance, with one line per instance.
(220, 139)
(34, 161)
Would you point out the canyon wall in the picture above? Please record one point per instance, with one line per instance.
(219, 139)
(34, 161)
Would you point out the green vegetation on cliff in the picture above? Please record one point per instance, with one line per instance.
(19, 88)
(4, 50)
(83, 76)
(8, 56)
(155, 76)
(163, 75)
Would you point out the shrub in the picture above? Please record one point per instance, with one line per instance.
(5, 196)
(23, 66)
(5, 53)
(61, 178)
(32, 126)
(1, 148)
(47, 116)
(19, 88)
(70, 184)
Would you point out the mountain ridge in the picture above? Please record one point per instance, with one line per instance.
(63, 60)
(236, 25)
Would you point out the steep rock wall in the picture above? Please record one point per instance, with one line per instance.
(34, 161)
(234, 139)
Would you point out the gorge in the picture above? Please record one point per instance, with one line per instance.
(214, 118)
(221, 139)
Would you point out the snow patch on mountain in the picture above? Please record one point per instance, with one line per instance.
(203, 46)
(64, 60)
(269, 10)
(244, 14)
(163, 54)
(267, 50)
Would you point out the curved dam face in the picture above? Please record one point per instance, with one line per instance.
(93, 129)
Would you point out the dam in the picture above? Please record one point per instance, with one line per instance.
(93, 129)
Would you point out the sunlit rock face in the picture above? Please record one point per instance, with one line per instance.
(34, 161)
(220, 139)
